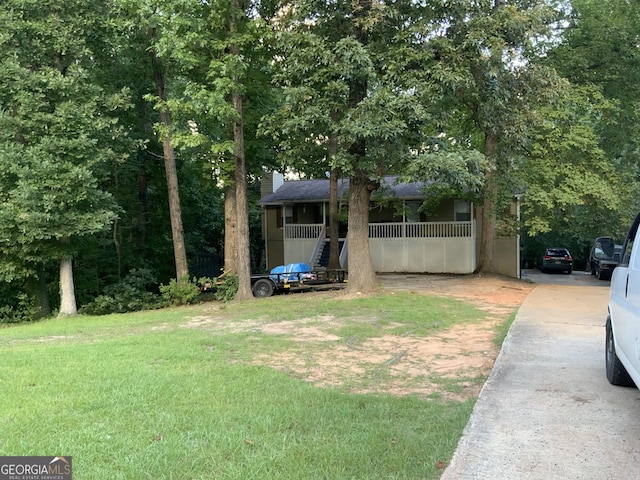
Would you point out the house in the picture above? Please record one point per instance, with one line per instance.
(295, 220)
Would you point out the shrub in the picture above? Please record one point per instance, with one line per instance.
(18, 308)
(184, 292)
(130, 294)
(226, 287)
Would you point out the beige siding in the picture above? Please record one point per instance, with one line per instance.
(423, 255)
(274, 237)
(506, 256)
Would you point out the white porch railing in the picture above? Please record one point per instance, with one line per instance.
(421, 230)
(303, 231)
(390, 230)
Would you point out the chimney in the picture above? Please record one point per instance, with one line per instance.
(271, 182)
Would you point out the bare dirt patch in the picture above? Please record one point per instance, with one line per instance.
(453, 364)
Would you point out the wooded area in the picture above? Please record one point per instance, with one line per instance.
(134, 133)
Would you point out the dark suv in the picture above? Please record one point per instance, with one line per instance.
(556, 259)
(604, 257)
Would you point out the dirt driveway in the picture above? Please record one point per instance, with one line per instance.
(453, 364)
(495, 294)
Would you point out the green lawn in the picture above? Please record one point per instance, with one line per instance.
(141, 396)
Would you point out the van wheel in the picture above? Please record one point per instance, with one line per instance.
(616, 373)
(263, 288)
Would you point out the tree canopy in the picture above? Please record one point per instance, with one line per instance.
(482, 99)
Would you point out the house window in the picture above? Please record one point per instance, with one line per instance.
(462, 211)
(288, 214)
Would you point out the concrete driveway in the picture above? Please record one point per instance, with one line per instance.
(547, 410)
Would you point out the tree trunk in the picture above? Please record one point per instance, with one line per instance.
(486, 255)
(143, 199)
(230, 235)
(334, 237)
(68, 305)
(243, 258)
(243, 254)
(362, 277)
(175, 212)
(334, 225)
(37, 287)
(117, 243)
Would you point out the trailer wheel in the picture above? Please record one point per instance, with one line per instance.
(263, 288)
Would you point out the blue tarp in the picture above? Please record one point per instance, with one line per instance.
(290, 272)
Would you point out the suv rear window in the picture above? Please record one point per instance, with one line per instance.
(603, 248)
(556, 252)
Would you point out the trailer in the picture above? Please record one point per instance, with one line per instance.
(296, 277)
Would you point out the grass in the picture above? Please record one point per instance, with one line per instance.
(503, 329)
(140, 396)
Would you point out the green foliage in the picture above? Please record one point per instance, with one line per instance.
(130, 294)
(599, 54)
(226, 287)
(450, 168)
(322, 64)
(183, 292)
(58, 134)
(572, 185)
(196, 39)
(16, 306)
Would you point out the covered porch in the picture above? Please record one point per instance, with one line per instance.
(412, 247)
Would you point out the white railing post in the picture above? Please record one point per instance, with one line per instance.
(421, 230)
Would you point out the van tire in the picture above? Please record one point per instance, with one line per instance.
(616, 373)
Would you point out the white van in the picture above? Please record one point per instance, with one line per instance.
(622, 355)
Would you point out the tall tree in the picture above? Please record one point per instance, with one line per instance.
(56, 125)
(353, 73)
(175, 210)
(600, 52)
(572, 184)
(163, 167)
(152, 20)
(219, 47)
(486, 49)
(237, 25)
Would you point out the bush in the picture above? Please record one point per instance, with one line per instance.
(130, 294)
(18, 308)
(184, 292)
(227, 287)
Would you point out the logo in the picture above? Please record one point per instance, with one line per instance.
(35, 468)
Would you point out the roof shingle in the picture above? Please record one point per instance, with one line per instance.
(318, 190)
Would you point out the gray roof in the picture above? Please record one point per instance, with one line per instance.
(318, 190)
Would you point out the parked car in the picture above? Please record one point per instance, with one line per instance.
(556, 259)
(604, 257)
(623, 322)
